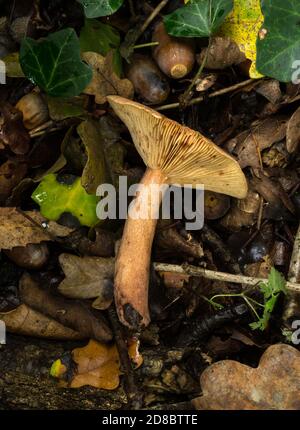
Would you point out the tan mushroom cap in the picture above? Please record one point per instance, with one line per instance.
(185, 156)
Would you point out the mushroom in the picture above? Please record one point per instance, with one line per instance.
(173, 154)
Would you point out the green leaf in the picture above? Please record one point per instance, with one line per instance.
(66, 195)
(271, 291)
(54, 64)
(98, 37)
(199, 18)
(275, 285)
(278, 46)
(96, 8)
(61, 108)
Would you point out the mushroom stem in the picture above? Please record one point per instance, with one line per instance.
(134, 255)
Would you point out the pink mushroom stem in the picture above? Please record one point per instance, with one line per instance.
(134, 255)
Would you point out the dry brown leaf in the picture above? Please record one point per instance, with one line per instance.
(293, 132)
(71, 313)
(105, 82)
(11, 173)
(12, 131)
(223, 53)
(17, 230)
(28, 322)
(262, 135)
(243, 213)
(270, 90)
(85, 276)
(203, 84)
(274, 384)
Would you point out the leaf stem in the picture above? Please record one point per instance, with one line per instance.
(185, 98)
(145, 45)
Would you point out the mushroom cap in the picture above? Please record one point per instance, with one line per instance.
(183, 155)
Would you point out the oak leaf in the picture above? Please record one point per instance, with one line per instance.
(105, 82)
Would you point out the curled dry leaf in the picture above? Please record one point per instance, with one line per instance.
(293, 132)
(170, 240)
(270, 90)
(274, 384)
(73, 314)
(105, 82)
(203, 84)
(26, 321)
(17, 230)
(223, 52)
(261, 135)
(85, 276)
(94, 172)
(11, 173)
(101, 245)
(273, 192)
(243, 213)
(98, 365)
(12, 130)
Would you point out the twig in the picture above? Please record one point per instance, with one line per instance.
(52, 237)
(210, 96)
(213, 240)
(218, 276)
(40, 128)
(186, 96)
(292, 305)
(260, 213)
(131, 8)
(153, 15)
(146, 45)
(134, 396)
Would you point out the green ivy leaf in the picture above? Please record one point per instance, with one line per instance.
(66, 195)
(98, 37)
(278, 45)
(96, 8)
(54, 64)
(199, 18)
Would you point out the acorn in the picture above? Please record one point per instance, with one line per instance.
(147, 79)
(34, 109)
(174, 56)
(31, 256)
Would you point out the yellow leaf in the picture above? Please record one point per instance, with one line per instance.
(98, 365)
(242, 26)
(58, 369)
(133, 352)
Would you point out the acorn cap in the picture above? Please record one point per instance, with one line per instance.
(183, 155)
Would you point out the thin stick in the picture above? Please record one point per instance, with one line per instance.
(40, 128)
(153, 15)
(217, 276)
(134, 395)
(145, 45)
(210, 96)
(131, 8)
(186, 96)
